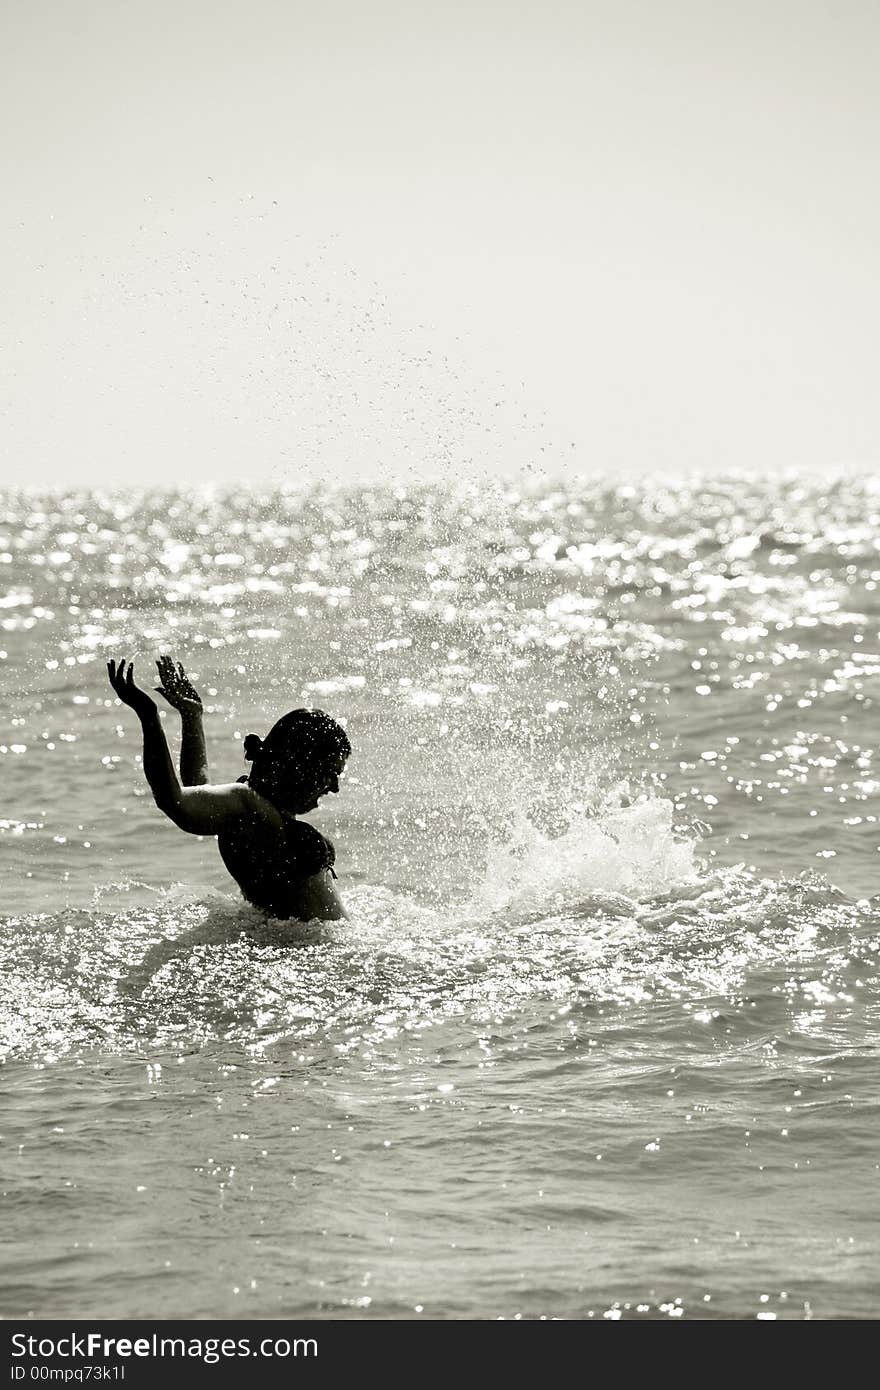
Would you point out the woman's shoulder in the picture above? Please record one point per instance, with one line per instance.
(253, 803)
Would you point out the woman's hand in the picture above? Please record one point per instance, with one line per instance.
(129, 693)
(176, 686)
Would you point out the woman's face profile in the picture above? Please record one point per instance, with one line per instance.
(304, 786)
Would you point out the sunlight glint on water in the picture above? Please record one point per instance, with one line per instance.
(599, 1036)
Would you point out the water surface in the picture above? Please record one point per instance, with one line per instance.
(599, 1035)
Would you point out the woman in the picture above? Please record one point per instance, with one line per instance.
(281, 864)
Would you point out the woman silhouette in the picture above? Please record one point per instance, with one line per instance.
(281, 864)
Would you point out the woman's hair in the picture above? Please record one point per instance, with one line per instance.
(301, 741)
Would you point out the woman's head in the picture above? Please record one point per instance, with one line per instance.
(300, 759)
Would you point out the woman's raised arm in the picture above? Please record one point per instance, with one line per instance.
(201, 810)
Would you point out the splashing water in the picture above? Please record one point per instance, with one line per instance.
(631, 851)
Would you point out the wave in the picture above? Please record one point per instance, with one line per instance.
(629, 850)
(617, 912)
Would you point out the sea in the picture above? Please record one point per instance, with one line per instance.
(598, 1037)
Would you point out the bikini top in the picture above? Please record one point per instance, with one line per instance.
(309, 852)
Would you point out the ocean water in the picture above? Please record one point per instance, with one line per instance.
(599, 1035)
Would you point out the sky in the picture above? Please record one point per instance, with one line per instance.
(280, 241)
